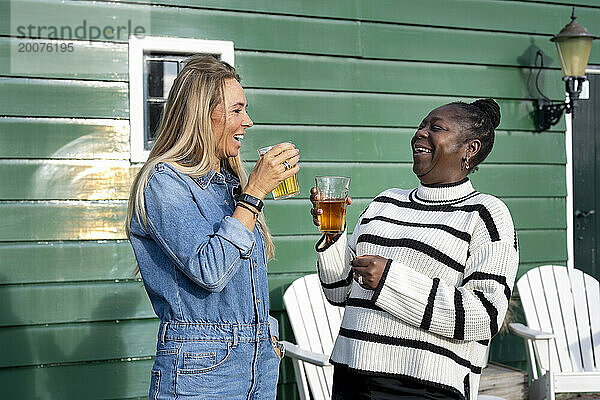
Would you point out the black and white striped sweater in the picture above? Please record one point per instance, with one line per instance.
(452, 259)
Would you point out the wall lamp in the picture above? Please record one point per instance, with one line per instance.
(573, 44)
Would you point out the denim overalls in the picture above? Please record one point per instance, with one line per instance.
(205, 274)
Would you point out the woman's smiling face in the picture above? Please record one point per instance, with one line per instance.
(438, 148)
(230, 120)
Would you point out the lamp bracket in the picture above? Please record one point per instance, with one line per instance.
(550, 113)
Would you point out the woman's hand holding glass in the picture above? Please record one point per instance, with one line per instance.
(272, 168)
(315, 211)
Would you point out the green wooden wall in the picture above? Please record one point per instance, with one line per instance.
(347, 80)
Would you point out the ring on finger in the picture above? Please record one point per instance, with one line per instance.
(286, 165)
(360, 280)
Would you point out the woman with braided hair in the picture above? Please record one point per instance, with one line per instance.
(426, 276)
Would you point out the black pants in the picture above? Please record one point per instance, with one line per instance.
(350, 385)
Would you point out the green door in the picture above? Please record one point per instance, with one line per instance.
(586, 180)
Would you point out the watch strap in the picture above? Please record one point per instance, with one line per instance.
(251, 200)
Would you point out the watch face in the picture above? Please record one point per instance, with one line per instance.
(253, 201)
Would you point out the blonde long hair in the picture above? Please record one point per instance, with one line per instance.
(185, 139)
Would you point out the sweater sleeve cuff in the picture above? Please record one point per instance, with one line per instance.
(323, 243)
(238, 235)
(332, 259)
(402, 291)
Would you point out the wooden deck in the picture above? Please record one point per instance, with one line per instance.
(577, 396)
(503, 381)
(512, 384)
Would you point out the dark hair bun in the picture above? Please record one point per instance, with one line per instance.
(491, 110)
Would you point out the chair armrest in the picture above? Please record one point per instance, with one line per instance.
(528, 333)
(294, 351)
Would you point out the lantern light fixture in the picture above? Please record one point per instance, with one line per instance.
(573, 44)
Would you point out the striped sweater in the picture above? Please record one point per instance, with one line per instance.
(452, 259)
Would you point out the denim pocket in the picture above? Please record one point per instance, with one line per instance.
(154, 384)
(202, 357)
(199, 360)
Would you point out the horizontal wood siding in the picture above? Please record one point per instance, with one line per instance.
(346, 81)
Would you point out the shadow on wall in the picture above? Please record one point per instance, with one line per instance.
(93, 369)
(531, 75)
(16, 383)
(530, 63)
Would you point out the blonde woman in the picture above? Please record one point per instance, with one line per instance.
(202, 244)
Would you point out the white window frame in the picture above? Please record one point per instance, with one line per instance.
(137, 48)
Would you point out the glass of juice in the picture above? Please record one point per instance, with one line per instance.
(287, 188)
(333, 191)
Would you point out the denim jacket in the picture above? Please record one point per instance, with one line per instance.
(198, 263)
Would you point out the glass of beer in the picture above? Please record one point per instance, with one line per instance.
(287, 188)
(333, 191)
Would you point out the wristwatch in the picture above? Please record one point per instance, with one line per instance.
(251, 200)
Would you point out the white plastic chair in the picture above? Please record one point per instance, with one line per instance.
(562, 336)
(315, 323)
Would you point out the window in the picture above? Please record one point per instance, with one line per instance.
(153, 65)
(160, 70)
